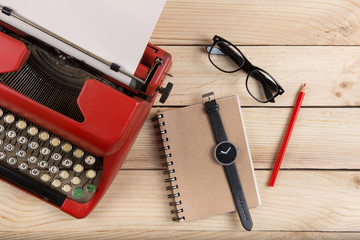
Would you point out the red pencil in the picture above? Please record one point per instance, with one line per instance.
(287, 136)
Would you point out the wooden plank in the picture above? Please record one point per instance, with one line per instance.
(325, 138)
(158, 235)
(269, 22)
(332, 75)
(301, 201)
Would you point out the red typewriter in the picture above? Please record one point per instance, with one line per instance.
(66, 127)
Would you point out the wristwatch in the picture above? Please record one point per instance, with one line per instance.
(225, 154)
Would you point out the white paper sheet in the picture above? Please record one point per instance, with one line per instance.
(116, 31)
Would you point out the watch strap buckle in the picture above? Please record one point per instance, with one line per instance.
(208, 96)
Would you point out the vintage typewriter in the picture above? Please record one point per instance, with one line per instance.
(66, 127)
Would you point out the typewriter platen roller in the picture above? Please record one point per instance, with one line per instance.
(65, 126)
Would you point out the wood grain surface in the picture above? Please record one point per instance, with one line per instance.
(318, 189)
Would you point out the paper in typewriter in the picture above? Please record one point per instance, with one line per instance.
(201, 181)
(115, 30)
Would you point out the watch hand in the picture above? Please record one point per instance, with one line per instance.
(228, 150)
(223, 152)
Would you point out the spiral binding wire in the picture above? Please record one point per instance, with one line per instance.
(172, 187)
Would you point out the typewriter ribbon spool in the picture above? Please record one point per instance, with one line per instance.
(174, 187)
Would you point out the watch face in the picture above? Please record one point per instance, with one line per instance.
(225, 153)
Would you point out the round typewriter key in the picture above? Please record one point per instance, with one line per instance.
(9, 147)
(66, 147)
(10, 134)
(78, 153)
(21, 124)
(1, 112)
(2, 155)
(33, 145)
(32, 159)
(43, 164)
(67, 163)
(66, 188)
(9, 119)
(44, 151)
(35, 172)
(90, 188)
(76, 180)
(21, 153)
(22, 140)
(90, 174)
(53, 169)
(90, 160)
(32, 131)
(12, 161)
(56, 183)
(56, 157)
(78, 168)
(23, 166)
(64, 174)
(78, 193)
(44, 136)
(1, 142)
(55, 142)
(2, 128)
(45, 177)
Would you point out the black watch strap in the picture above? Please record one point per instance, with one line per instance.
(239, 196)
(212, 109)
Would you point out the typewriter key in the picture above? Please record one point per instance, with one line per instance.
(23, 166)
(35, 172)
(78, 193)
(55, 142)
(78, 153)
(1, 128)
(90, 160)
(56, 183)
(1, 142)
(78, 168)
(66, 188)
(90, 188)
(2, 155)
(21, 124)
(53, 169)
(33, 145)
(67, 163)
(10, 134)
(43, 164)
(1, 112)
(21, 153)
(9, 147)
(56, 157)
(45, 177)
(76, 180)
(90, 174)
(32, 131)
(66, 147)
(44, 136)
(32, 159)
(64, 174)
(12, 161)
(22, 140)
(9, 119)
(44, 151)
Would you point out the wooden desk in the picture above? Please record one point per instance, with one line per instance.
(317, 192)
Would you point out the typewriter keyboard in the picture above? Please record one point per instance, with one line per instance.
(45, 164)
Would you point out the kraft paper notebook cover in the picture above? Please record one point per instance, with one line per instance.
(198, 183)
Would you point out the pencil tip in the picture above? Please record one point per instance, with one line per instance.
(303, 88)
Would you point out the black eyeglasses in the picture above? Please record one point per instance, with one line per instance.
(228, 58)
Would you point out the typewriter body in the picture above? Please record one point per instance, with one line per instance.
(65, 126)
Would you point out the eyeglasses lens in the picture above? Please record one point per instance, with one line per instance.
(226, 57)
(261, 85)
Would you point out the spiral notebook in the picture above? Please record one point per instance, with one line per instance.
(197, 183)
